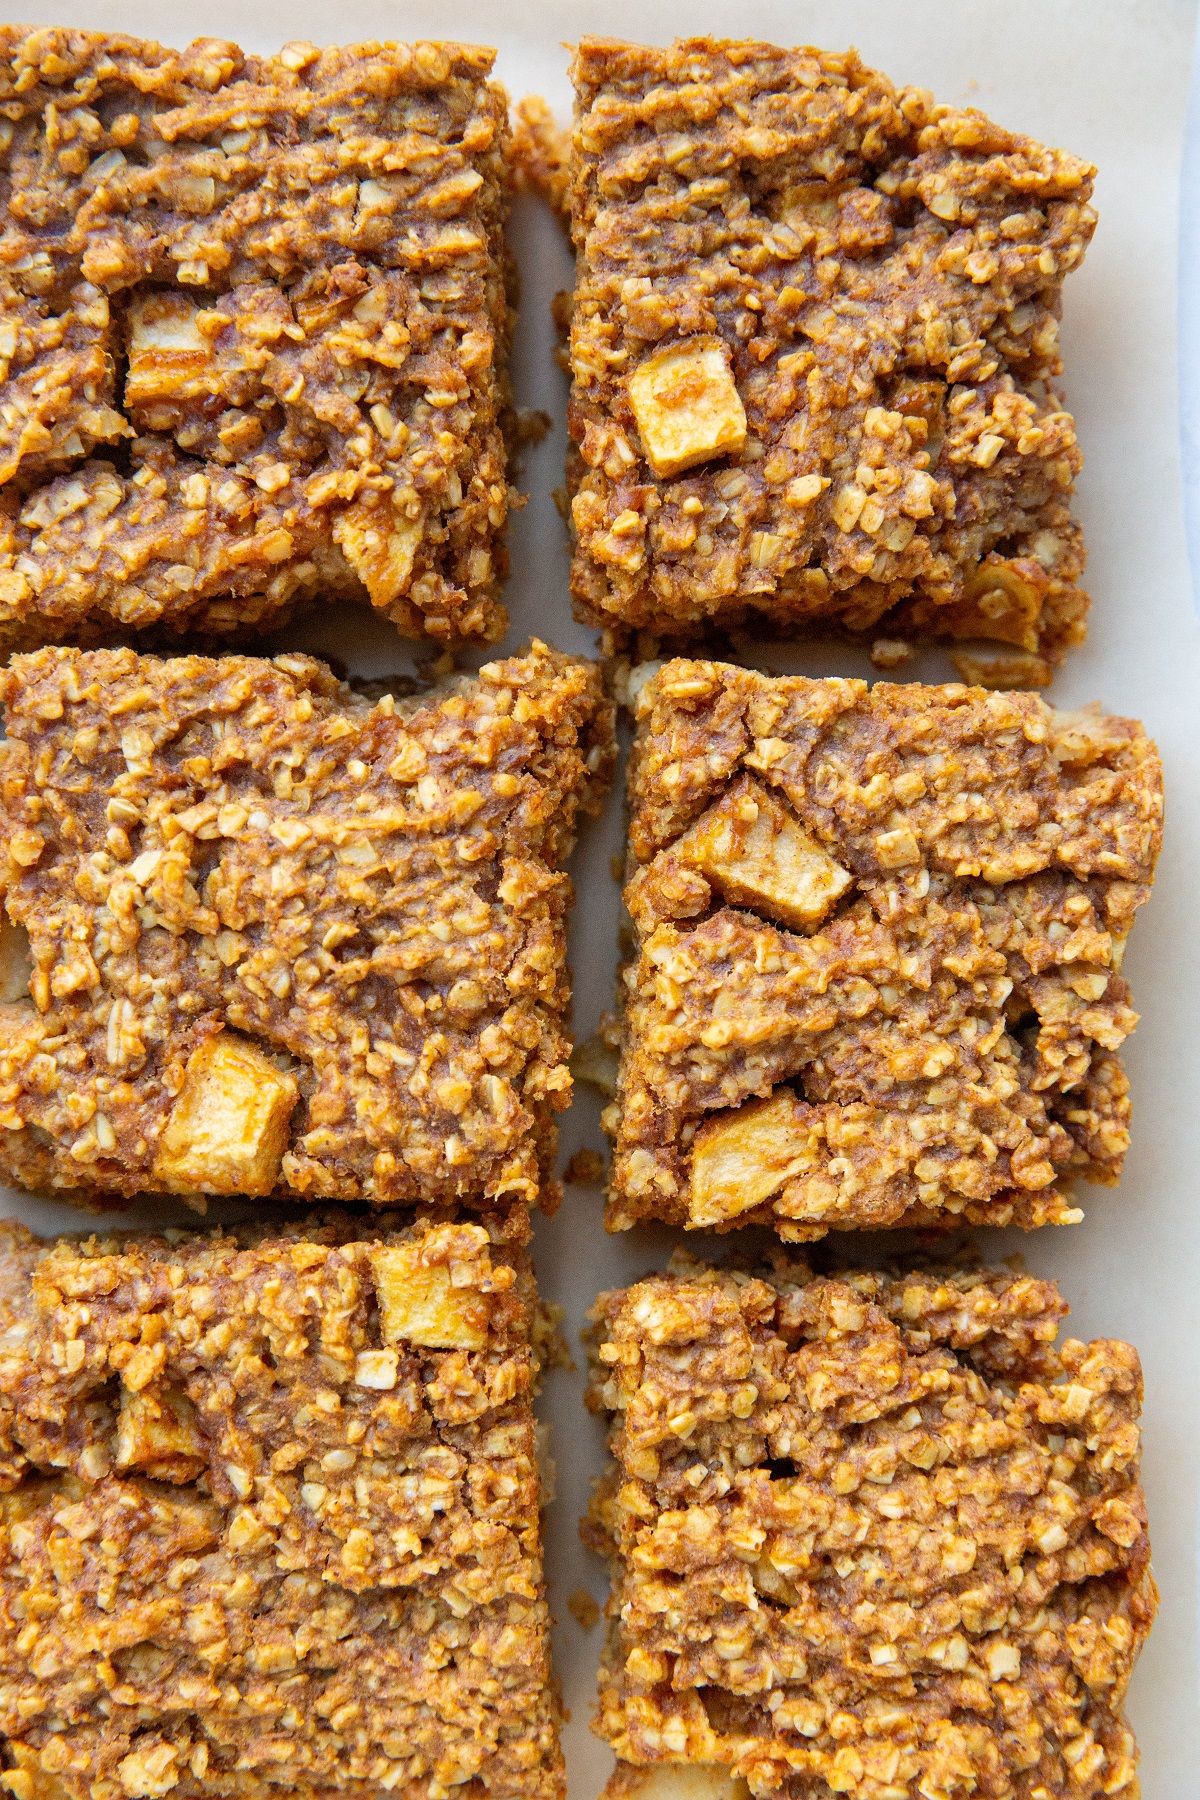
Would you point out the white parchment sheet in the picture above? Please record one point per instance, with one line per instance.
(1109, 80)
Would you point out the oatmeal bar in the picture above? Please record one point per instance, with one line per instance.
(254, 330)
(871, 1534)
(262, 936)
(270, 1515)
(815, 349)
(878, 935)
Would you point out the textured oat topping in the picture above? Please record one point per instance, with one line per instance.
(837, 304)
(871, 1534)
(253, 330)
(260, 1531)
(878, 936)
(264, 936)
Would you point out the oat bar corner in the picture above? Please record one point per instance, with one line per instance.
(814, 352)
(869, 1533)
(254, 331)
(264, 937)
(270, 1515)
(878, 939)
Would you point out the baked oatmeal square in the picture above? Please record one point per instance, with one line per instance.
(878, 935)
(254, 328)
(869, 1533)
(262, 936)
(270, 1514)
(814, 351)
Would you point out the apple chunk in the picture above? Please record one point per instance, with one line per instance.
(687, 406)
(157, 1432)
(742, 1157)
(228, 1129)
(754, 851)
(419, 1303)
(169, 357)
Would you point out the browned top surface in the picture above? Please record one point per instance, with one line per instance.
(323, 415)
(336, 1589)
(884, 274)
(951, 1027)
(994, 786)
(872, 1534)
(371, 893)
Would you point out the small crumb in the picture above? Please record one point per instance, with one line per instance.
(532, 425)
(889, 653)
(583, 1609)
(549, 1340)
(616, 866)
(585, 1168)
(1000, 666)
(595, 1062)
(540, 154)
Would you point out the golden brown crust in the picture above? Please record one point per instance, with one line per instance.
(951, 1021)
(368, 896)
(301, 260)
(871, 1533)
(884, 275)
(335, 1583)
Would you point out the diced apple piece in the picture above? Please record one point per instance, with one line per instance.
(687, 406)
(677, 1781)
(227, 1131)
(742, 1157)
(755, 851)
(158, 1433)
(418, 1303)
(169, 357)
(379, 548)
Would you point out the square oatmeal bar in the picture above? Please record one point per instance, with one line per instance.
(870, 1534)
(270, 1515)
(815, 354)
(254, 330)
(878, 934)
(262, 936)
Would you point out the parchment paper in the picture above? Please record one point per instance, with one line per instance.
(1109, 80)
